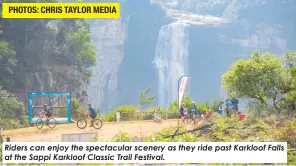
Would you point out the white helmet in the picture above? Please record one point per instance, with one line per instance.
(193, 102)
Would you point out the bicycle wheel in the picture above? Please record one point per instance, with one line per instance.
(39, 123)
(51, 123)
(97, 124)
(81, 123)
(189, 119)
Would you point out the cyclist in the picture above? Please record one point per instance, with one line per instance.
(47, 112)
(194, 108)
(92, 114)
(208, 112)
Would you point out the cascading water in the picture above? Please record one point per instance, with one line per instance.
(171, 54)
(171, 60)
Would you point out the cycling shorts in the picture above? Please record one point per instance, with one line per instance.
(48, 114)
(93, 116)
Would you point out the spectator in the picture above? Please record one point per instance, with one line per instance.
(228, 107)
(241, 116)
(220, 108)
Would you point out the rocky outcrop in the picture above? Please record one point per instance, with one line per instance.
(109, 36)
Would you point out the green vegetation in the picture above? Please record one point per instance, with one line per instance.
(143, 99)
(267, 79)
(42, 55)
(56, 55)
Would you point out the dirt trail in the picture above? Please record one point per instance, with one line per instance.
(106, 133)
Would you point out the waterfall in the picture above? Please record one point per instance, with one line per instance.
(171, 54)
(171, 58)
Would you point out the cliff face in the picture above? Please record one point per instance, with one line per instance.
(109, 36)
(140, 50)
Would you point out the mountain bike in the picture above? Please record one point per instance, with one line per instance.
(190, 117)
(82, 123)
(50, 122)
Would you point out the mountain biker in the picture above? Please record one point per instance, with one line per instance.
(92, 114)
(194, 108)
(220, 108)
(47, 111)
(208, 112)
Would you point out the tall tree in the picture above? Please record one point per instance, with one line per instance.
(261, 77)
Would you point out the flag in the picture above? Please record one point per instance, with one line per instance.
(182, 87)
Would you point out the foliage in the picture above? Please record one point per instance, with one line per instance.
(122, 137)
(7, 62)
(290, 95)
(130, 109)
(146, 100)
(11, 111)
(263, 78)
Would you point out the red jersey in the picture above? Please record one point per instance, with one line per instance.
(242, 116)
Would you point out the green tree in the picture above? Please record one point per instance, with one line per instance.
(290, 95)
(8, 61)
(261, 78)
(11, 110)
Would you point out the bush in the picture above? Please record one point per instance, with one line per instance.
(130, 111)
(12, 111)
(122, 137)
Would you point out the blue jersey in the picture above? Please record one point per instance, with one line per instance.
(229, 104)
(220, 108)
(195, 109)
(92, 112)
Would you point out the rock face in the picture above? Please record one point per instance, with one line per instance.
(109, 36)
(217, 33)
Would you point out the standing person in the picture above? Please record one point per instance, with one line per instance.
(182, 111)
(92, 114)
(228, 107)
(220, 108)
(235, 103)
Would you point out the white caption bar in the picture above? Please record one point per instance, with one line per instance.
(144, 152)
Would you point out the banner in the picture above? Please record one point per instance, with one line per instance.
(182, 87)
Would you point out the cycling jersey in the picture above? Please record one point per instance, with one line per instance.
(92, 112)
(195, 109)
